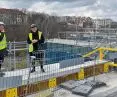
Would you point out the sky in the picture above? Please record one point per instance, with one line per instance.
(91, 8)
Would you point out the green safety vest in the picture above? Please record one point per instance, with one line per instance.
(30, 37)
(3, 43)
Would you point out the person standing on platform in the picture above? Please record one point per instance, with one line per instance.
(3, 45)
(36, 41)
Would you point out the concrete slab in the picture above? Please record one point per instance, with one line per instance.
(46, 93)
(83, 90)
(110, 93)
(107, 91)
(69, 85)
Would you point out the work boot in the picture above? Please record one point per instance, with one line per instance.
(42, 70)
(2, 74)
(33, 70)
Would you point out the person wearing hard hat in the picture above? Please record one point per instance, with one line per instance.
(35, 41)
(3, 45)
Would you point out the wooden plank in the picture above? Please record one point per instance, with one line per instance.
(3, 93)
(21, 91)
(93, 70)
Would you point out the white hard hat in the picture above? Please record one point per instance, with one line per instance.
(33, 25)
(2, 23)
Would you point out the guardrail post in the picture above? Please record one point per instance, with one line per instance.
(101, 55)
(10, 54)
(27, 56)
(14, 61)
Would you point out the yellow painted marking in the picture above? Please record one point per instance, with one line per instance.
(52, 82)
(11, 92)
(81, 74)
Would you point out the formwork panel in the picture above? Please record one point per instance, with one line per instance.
(93, 70)
(21, 91)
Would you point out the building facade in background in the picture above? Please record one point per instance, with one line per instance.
(12, 16)
(18, 23)
(102, 23)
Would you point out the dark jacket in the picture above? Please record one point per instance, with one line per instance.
(35, 36)
(1, 35)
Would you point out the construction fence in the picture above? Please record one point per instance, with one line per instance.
(18, 63)
(61, 62)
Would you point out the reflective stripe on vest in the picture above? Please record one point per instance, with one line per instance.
(30, 37)
(3, 43)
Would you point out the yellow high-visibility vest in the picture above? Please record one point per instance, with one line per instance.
(3, 43)
(30, 37)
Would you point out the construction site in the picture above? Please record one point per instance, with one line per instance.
(76, 65)
(75, 56)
